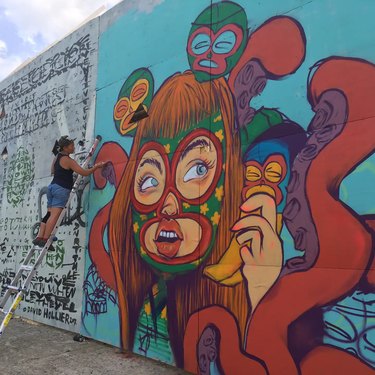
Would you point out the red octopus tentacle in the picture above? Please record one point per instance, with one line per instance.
(97, 252)
(231, 358)
(279, 44)
(274, 50)
(116, 159)
(345, 245)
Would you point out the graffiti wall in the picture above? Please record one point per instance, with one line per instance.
(52, 96)
(231, 231)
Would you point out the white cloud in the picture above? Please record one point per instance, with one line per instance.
(8, 64)
(53, 19)
(3, 48)
(50, 19)
(46, 21)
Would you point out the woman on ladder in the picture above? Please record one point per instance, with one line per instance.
(59, 189)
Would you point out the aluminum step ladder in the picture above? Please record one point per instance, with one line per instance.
(20, 284)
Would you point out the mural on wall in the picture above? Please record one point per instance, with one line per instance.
(50, 97)
(189, 260)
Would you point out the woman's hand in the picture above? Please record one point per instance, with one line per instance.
(261, 247)
(100, 165)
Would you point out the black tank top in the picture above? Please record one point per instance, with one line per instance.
(62, 176)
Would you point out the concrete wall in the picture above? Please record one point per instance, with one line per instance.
(231, 231)
(52, 96)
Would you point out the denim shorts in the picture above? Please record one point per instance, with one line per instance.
(57, 196)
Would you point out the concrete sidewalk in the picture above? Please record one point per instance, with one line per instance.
(30, 348)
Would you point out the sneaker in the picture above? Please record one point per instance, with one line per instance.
(36, 241)
(42, 242)
(39, 243)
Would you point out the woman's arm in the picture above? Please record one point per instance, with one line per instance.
(53, 166)
(84, 172)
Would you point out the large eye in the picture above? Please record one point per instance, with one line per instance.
(139, 90)
(121, 108)
(273, 172)
(197, 171)
(197, 167)
(201, 43)
(253, 173)
(150, 176)
(225, 42)
(147, 183)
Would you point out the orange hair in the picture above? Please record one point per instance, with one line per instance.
(180, 103)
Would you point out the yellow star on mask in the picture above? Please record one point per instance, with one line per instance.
(220, 135)
(143, 217)
(148, 308)
(219, 193)
(135, 227)
(218, 118)
(204, 209)
(215, 219)
(167, 148)
(186, 205)
(163, 314)
(142, 250)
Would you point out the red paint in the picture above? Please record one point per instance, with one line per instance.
(232, 358)
(113, 153)
(345, 246)
(97, 252)
(279, 44)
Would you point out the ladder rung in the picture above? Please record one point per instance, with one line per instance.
(27, 268)
(42, 252)
(14, 288)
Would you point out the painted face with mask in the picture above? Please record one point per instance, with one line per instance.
(177, 196)
(216, 41)
(267, 171)
(135, 93)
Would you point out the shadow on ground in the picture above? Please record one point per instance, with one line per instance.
(30, 348)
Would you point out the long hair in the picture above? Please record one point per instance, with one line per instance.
(180, 103)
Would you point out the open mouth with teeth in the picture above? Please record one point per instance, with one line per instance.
(165, 236)
(175, 242)
(168, 238)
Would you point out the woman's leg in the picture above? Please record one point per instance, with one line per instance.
(51, 222)
(42, 226)
(44, 220)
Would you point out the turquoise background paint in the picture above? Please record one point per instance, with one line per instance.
(158, 41)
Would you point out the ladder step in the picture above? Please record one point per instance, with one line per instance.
(27, 268)
(40, 251)
(15, 288)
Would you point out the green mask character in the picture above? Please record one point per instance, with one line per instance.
(216, 41)
(137, 90)
(177, 196)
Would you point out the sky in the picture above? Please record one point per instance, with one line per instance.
(27, 27)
